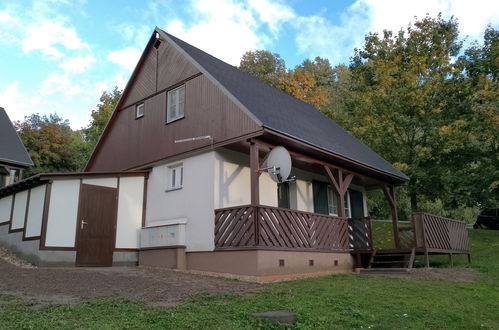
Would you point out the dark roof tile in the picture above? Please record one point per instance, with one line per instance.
(11, 148)
(283, 113)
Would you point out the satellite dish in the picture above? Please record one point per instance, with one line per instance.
(279, 164)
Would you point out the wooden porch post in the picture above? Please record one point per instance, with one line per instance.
(390, 197)
(255, 188)
(255, 175)
(340, 186)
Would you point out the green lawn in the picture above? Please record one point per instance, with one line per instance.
(340, 301)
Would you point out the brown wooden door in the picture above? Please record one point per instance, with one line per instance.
(96, 226)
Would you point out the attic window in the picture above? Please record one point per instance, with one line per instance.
(175, 104)
(139, 110)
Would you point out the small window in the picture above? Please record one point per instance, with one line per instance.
(175, 104)
(139, 110)
(332, 201)
(175, 177)
(347, 205)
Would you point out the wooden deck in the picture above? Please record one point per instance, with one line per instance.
(248, 226)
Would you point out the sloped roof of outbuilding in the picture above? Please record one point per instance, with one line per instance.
(12, 149)
(280, 112)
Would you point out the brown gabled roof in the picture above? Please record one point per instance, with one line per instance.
(12, 150)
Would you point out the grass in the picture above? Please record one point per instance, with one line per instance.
(339, 301)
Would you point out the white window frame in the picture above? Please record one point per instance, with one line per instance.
(175, 177)
(139, 110)
(175, 104)
(332, 202)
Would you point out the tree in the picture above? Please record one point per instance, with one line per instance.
(50, 143)
(311, 82)
(265, 66)
(398, 99)
(100, 117)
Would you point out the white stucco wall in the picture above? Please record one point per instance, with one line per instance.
(129, 220)
(104, 182)
(19, 210)
(63, 210)
(232, 181)
(35, 212)
(193, 202)
(5, 208)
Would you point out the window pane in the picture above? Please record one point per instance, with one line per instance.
(173, 178)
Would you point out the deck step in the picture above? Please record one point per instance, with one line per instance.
(383, 271)
(389, 261)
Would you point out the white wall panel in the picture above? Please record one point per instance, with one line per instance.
(35, 212)
(19, 210)
(63, 210)
(5, 208)
(232, 181)
(129, 222)
(104, 182)
(193, 202)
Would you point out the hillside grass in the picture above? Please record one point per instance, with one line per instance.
(339, 301)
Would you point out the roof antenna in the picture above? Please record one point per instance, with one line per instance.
(197, 138)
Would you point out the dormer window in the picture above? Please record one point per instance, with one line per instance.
(175, 104)
(139, 110)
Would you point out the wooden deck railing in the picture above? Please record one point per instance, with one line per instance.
(360, 234)
(265, 226)
(437, 233)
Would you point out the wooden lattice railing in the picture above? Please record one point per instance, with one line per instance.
(265, 226)
(360, 234)
(438, 233)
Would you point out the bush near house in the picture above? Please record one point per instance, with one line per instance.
(339, 301)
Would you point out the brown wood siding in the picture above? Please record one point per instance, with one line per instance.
(208, 111)
(145, 82)
(171, 58)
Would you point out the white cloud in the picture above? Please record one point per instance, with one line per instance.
(126, 58)
(78, 64)
(5, 18)
(223, 28)
(317, 35)
(9, 28)
(272, 13)
(472, 16)
(17, 104)
(46, 35)
(59, 83)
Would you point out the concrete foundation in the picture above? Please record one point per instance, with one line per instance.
(174, 258)
(249, 262)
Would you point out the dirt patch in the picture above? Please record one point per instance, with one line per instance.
(157, 286)
(14, 260)
(458, 274)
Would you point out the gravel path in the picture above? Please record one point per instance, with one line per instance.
(157, 286)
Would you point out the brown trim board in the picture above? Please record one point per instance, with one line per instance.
(46, 204)
(26, 214)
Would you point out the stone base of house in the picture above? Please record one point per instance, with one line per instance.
(254, 262)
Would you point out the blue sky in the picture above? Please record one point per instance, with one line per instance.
(60, 55)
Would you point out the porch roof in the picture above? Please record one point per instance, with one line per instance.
(282, 113)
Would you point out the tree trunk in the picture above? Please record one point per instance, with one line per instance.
(414, 202)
